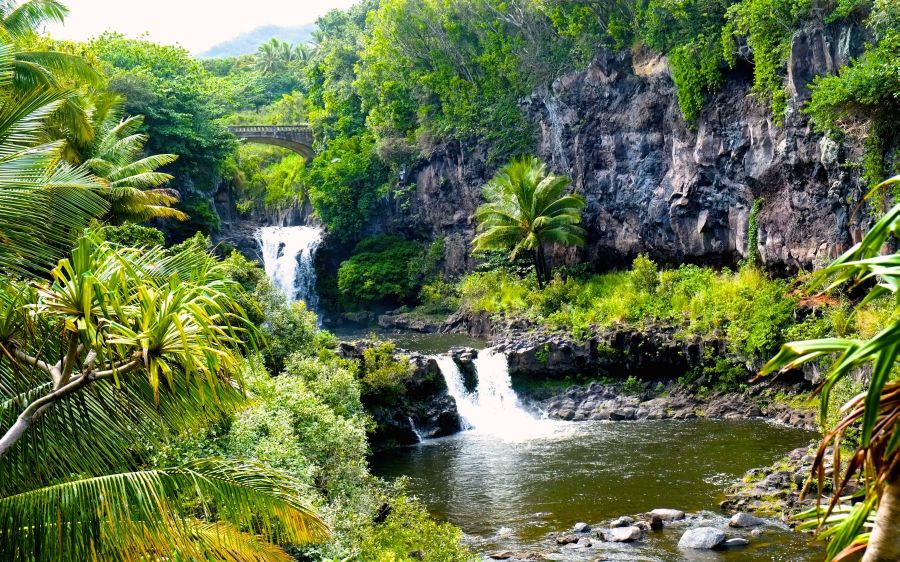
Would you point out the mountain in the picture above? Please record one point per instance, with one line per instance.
(247, 43)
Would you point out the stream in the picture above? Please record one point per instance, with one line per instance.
(512, 480)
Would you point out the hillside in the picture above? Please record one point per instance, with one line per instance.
(249, 42)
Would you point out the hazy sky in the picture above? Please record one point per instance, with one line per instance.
(195, 24)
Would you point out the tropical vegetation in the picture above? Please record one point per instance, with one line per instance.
(865, 521)
(525, 210)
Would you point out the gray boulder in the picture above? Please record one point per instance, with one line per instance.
(623, 534)
(702, 538)
(745, 520)
(667, 514)
(623, 521)
(581, 527)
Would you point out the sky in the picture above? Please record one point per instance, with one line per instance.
(194, 24)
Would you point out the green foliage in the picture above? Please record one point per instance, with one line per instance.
(644, 274)
(202, 217)
(382, 376)
(134, 235)
(753, 256)
(864, 92)
(383, 267)
(633, 385)
(768, 26)
(180, 102)
(345, 181)
(409, 530)
(526, 208)
(438, 296)
(746, 307)
(268, 178)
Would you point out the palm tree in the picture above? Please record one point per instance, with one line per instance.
(526, 209)
(274, 56)
(43, 198)
(122, 347)
(134, 191)
(20, 22)
(868, 521)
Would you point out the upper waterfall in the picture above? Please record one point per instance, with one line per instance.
(288, 253)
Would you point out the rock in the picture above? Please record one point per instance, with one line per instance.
(745, 520)
(667, 514)
(504, 532)
(756, 532)
(656, 522)
(736, 542)
(566, 539)
(623, 521)
(501, 555)
(623, 534)
(583, 542)
(702, 538)
(581, 527)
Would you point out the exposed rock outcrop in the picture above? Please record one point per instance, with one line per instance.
(653, 183)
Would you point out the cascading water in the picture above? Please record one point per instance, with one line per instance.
(288, 253)
(493, 408)
(554, 116)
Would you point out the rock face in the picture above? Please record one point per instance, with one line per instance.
(425, 410)
(653, 183)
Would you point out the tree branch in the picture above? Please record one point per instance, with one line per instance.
(31, 413)
(33, 361)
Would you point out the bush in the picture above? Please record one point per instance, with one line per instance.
(382, 268)
(134, 235)
(383, 376)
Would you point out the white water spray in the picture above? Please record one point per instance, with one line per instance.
(288, 253)
(493, 408)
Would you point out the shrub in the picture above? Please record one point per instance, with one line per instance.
(134, 235)
(383, 267)
(382, 375)
(644, 274)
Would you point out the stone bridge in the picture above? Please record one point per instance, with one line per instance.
(293, 137)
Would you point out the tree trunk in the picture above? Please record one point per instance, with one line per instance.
(884, 544)
(539, 267)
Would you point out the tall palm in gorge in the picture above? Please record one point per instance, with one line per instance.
(867, 521)
(134, 186)
(526, 208)
(125, 347)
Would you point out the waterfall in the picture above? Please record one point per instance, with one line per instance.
(556, 132)
(493, 408)
(288, 253)
(415, 430)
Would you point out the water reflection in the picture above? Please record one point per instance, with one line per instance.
(594, 471)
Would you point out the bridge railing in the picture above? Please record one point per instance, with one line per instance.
(270, 129)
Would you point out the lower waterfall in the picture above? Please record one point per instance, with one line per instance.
(493, 408)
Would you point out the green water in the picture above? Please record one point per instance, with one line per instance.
(596, 471)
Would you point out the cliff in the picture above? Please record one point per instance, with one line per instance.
(653, 183)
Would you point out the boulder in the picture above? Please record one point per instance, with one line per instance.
(736, 542)
(702, 538)
(581, 527)
(656, 522)
(623, 534)
(501, 555)
(623, 521)
(667, 514)
(745, 520)
(566, 539)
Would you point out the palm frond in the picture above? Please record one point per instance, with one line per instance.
(131, 514)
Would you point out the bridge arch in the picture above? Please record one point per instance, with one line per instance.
(293, 137)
